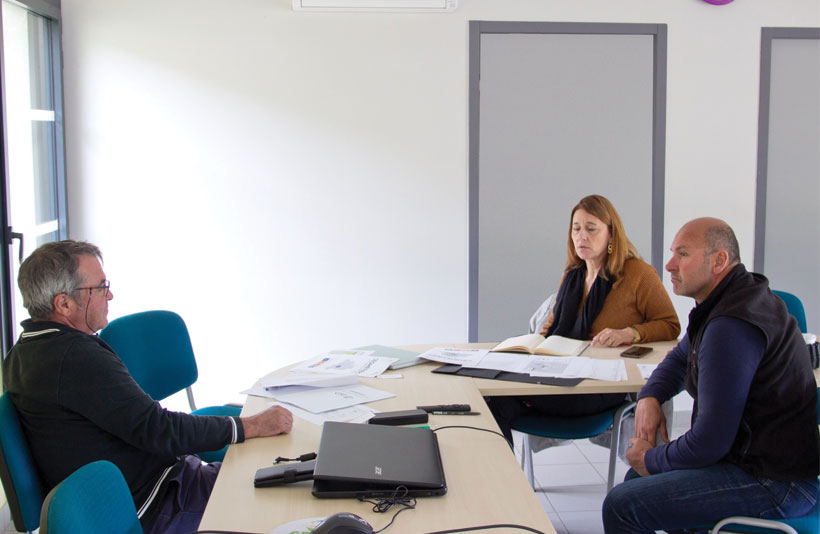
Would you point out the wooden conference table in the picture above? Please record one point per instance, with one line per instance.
(485, 482)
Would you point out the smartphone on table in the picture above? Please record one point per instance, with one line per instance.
(636, 351)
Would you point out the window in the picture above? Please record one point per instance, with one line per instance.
(34, 174)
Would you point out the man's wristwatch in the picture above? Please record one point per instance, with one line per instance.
(636, 337)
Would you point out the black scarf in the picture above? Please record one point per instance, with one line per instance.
(566, 321)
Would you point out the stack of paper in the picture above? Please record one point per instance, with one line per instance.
(325, 399)
(297, 382)
(354, 414)
(465, 357)
(553, 366)
(547, 366)
(354, 362)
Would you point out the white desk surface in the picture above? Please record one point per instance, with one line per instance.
(486, 484)
(634, 382)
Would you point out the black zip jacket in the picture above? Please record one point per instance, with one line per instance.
(78, 403)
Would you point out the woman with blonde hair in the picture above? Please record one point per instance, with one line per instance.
(607, 294)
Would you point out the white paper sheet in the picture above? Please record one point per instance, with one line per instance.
(610, 370)
(512, 362)
(579, 367)
(360, 363)
(353, 414)
(554, 366)
(313, 380)
(296, 383)
(325, 399)
(646, 369)
(465, 357)
(261, 391)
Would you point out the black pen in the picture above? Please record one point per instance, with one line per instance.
(455, 413)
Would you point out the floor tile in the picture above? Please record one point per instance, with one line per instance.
(582, 522)
(593, 453)
(555, 519)
(561, 454)
(553, 476)
(545, 502)
(620, 470)
(577, 498)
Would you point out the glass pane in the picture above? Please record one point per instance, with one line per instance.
(39, 46)
(28, 66)
(43, 239)
(43, 171)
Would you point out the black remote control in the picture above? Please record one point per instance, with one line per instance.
(445, 408)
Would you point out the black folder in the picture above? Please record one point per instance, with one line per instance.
(494, 374)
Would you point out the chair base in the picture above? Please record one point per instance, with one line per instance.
(617, 419)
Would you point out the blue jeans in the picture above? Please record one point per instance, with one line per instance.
(688, 498)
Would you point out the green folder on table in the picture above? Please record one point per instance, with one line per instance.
(406, 358)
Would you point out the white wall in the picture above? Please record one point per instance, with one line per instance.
(296, 182)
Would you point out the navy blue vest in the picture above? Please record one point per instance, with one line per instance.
(778, 437)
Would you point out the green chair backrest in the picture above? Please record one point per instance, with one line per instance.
(795, 307)
(21, 480)
(156, 349)
(94, 499)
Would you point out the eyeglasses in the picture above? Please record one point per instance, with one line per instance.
(105, 287)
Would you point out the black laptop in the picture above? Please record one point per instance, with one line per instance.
(371, 461)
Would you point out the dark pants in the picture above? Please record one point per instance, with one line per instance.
(505, 409)
(184, 496)
(686, 498)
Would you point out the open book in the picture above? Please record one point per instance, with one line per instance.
(537, 344)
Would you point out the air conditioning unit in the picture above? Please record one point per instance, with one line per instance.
(395, 6)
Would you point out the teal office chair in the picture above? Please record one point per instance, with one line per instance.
(156, 349)
(795, 307)
(807, 524)
(21, 481)
(572, 428)
(94, 499)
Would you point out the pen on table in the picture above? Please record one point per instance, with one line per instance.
(455, 413)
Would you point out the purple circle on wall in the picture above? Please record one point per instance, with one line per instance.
(718, 2)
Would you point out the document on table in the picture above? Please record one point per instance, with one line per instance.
(512, 362)
(553, 366)
(579, 367)
(464, 357)
(647, 369)
(356, 362)
(325, 399)
(312, 380)
(353, 414)
(294, 383)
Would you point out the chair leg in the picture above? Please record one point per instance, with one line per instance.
(616, 438)
(190, 393)
(526, 460)
(753, 522)
(613, 456)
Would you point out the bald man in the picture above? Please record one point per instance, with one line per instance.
(753, 446)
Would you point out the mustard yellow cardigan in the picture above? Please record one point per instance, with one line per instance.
(637, 299)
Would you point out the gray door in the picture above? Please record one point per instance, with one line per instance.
(558, 112)
(787, 237)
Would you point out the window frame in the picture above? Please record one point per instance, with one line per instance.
(49, 9)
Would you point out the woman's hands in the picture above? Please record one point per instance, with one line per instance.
(612, 338)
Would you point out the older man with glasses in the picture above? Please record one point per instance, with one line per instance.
(78, 403)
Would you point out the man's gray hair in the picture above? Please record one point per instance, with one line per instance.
(50, 270)
(722, 237)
